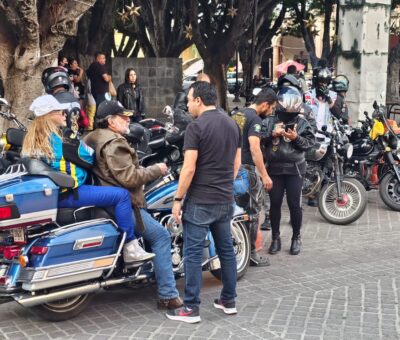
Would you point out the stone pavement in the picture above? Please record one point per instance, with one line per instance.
(345, 284)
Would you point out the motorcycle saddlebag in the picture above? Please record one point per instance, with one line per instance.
(73, 253)
(33, 200)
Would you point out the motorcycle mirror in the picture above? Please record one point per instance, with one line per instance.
(168, 111)
(324, 128)
(375, 105)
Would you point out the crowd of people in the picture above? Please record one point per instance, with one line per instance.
(267, 139)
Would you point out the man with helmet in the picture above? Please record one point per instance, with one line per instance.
(287, 136)
(249, 120)
(340, 110)
(56, 82)
(320, 99)
(117, 164)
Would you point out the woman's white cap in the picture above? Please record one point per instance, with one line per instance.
(45, 104)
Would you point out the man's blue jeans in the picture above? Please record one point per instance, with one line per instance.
(160, 242)
(198, 219)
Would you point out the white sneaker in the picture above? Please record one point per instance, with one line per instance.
(133, 252)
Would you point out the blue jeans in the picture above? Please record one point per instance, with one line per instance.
(160, 242)
(104, 197)
(198, 219)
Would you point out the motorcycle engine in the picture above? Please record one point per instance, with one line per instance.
(169, 222)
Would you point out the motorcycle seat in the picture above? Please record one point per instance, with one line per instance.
(72, 215)
(39, 168)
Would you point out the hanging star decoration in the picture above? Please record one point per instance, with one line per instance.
(133, 11)
(232, 12)
(124, 16)
(188, 31)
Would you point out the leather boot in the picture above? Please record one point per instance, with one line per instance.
(275, 245)
(296, 245)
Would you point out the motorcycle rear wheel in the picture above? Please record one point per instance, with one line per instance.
(64, 309)
(241, 244)
(389, 190)
(347, 211)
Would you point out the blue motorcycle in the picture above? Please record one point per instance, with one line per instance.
(54, 260)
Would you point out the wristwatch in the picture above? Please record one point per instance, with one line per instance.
(178, 199)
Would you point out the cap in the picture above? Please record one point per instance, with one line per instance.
(45, 104)
(111, 107)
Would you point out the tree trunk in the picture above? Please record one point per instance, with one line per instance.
(392, 94)
(217, 73)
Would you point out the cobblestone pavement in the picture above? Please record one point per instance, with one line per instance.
(345, 284)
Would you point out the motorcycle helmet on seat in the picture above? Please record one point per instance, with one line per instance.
(53, 77)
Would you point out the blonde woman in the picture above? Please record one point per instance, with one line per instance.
(44, 141)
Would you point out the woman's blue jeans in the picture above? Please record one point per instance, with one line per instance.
(104, 197)
(198, 219)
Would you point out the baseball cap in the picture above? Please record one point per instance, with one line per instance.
(45, 104)
(111, 107)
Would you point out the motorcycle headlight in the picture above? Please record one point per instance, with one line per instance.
(349, 150)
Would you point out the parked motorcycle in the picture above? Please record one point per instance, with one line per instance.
(341, 199)
(376, 156)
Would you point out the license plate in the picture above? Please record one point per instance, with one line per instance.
(18, 234)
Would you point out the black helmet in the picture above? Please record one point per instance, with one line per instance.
(136, 132)
(322, 76)
(290, 100)
(289, 80)
(340, 84)
(53, 77)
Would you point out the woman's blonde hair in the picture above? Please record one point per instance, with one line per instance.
(37, 142)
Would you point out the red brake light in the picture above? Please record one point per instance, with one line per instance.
(5, 212)
(11, 251)
(39, 250)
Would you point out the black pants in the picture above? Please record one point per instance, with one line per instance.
(292, 184)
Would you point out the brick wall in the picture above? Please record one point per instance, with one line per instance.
(160, 79)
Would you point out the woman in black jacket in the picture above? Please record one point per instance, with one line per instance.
(130, 95)
(287, 137)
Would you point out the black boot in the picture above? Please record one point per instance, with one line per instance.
(296, 245)
(275, 245)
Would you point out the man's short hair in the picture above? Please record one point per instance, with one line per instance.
(266, 95)
(97, 54)
(292, 69)
(205, 91)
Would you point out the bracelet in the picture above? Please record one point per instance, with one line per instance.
(178, 199)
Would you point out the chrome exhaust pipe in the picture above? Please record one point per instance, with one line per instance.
(28, 300)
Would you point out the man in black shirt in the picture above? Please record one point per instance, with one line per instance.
(250, 121)
(212, 159)
(99, 78)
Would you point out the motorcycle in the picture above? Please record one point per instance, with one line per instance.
(341, 199)
(375, 161)
(54, 260)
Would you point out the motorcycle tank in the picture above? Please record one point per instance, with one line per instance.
(35, 199)
(161, 195)
(363, 147)
(73, 253)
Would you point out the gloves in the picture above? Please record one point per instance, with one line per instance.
(70, 149)
(323, 91)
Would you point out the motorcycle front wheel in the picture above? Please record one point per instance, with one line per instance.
(64, 309)
(346, 209)
(241, 245)
(389, 190)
